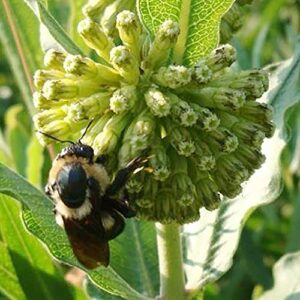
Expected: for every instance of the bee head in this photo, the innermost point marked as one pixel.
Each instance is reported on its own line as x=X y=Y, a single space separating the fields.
x=72 y=185
x=80 y=150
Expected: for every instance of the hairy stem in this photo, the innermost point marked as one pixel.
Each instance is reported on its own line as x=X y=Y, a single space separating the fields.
x=170 y=262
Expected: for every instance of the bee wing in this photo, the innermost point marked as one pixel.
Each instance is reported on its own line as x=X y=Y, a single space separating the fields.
x=88 y=242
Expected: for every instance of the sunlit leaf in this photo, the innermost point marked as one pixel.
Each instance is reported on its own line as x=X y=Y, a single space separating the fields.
x=286 y=279
x=39 y=220
x=19 y=35
x=34 y=268
x=53 y=26
x=17 y=136
x=199 y=22
x=212 y=241
x=35 y=159
x=9 y=283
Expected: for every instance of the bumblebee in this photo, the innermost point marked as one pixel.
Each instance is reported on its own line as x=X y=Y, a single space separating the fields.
x=86 y=202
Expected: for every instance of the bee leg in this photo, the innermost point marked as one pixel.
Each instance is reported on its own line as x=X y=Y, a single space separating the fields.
x=101 y=159
x=123 y=176
x=123 y=207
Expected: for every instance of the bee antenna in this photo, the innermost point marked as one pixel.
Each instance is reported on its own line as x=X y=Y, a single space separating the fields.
x=54 y=138
x=85 y=131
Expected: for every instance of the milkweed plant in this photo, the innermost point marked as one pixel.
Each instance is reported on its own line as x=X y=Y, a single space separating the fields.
x=160 y=79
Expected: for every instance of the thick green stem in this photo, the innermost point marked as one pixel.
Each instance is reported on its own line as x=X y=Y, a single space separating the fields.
x=170 y=262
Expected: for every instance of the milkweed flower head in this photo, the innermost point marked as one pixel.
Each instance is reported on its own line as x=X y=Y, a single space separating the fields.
x=201 y=126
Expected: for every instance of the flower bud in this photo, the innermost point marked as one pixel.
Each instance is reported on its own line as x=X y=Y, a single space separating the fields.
x=106 y=141
x=182 y=112
x=42 y=118
x=207 y=120
x=41 y=103
x=95 y=38
x=222 y=98
x=233 y=17
x=137 y=137
x=203 y=157
x=252 y=83
x=225 y=32
x=202 y=73
x=221 y=58
x=165 y=38
x=125 y=63
x=96 y=127
x=95 y=7
x=159 y=161
x=173 y=76
x=123 y=99
x=182 y=186
x=260 y=114
x=41 y=76
x=130 y=31
x=251 y=158
x=80 y=66
x=181 y=141
x=228 y=176
x=225 y=140
x=60 y=129
x=136 y=183
x=158 y=102
x=68 y=89
x=54 y=60
x=90 y=107
x=207 y=191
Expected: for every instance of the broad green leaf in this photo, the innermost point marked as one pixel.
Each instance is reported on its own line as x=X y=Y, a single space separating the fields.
x=212 y=241
x=19 y=35
x=5 y=154
x=286 y=279
x=36 y=272
x=98 y=294
x=39 y=220
x=75 y=17
x=17 y=136
x=53 y=26
x=35 y=160
x=135 y=253
x=199 y=22
x=9 y=283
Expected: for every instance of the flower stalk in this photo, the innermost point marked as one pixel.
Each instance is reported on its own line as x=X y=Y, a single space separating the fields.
x=170 y=262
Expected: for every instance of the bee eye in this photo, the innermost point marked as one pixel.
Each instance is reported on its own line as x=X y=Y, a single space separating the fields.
x=72 y=185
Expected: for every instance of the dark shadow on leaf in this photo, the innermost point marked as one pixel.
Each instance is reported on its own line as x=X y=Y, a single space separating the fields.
x=37 y=284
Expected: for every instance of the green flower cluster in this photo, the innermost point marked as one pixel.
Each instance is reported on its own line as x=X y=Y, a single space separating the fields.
x=201 y=126
x=232 y=20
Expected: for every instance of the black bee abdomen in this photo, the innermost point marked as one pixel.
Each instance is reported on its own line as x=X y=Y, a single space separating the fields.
x=72 y=185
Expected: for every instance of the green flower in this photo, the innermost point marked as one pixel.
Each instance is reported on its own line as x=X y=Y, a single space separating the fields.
x=201 y=127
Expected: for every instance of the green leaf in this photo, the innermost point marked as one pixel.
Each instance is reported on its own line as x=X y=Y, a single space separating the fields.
x=9 y=283
x=212 y=241
x=37 y=274
x=53 y=26
x=5 y=153
x=17 y=136
x=39 y=220
x=35 y=160
x=135 y=253
x=199 y=22
x=19 y=35
x=286 y=279
x=75 y=17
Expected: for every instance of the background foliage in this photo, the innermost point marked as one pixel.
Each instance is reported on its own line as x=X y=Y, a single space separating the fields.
x=268 y=36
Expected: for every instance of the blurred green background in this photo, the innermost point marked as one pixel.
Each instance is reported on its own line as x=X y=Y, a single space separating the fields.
x=268 y=36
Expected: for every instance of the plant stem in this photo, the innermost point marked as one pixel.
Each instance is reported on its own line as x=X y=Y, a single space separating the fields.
x=170 y=262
